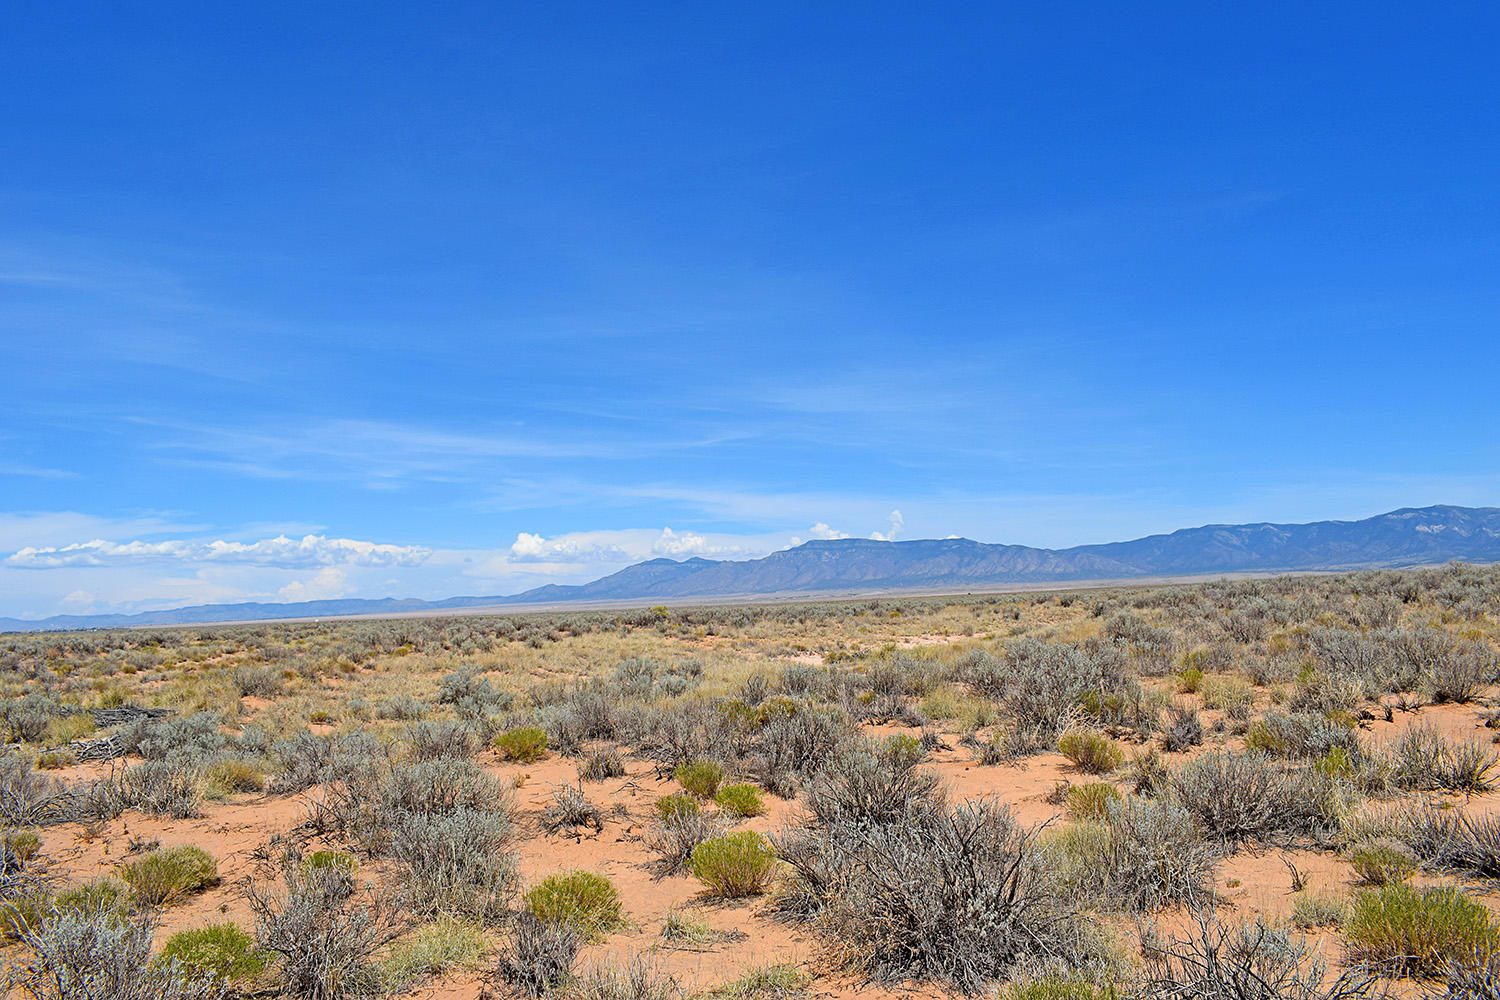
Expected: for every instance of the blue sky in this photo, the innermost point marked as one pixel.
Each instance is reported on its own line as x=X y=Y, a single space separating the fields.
x=302 y=301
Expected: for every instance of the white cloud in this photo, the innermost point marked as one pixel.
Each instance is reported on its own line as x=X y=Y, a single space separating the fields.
x=821 y=530
x=281 y=551
x=897 y=522
x=575 y=548
x=326 y=583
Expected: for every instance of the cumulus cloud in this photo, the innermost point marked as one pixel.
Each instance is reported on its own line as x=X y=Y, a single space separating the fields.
x=897 y=522
x=821 y=530
x=580 y=548
x=326 y=583
x=281 y=552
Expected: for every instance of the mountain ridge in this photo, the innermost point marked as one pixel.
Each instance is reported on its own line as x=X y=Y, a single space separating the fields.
x=1408 y=536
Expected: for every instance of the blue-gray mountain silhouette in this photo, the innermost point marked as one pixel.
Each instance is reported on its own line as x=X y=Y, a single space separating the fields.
x=1406 y=537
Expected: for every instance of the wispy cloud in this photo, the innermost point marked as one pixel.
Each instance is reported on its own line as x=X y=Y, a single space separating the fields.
x=281 y=552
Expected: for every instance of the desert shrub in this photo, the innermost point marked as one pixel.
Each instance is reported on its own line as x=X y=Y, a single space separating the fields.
x=471 y=694
x=197 y=737
x=1382 y=860
x=539 y=955
x=170 y=787
x=1472 y=978
x=1139 y=855
x=1300 y=735
x=1458 y=675
x=433 y=740
x=1091 y=801
x=324 y=929
x=638 y=980
x=1183 y=731
x=864 y=782
x=956 y=895
x=1091 y=751
x=258 y=682
x=222 y=951
x=300 y=762
x=740 y=800
x=525 y=745
x=1189 y=680
x=402 y=708
x=26 y=797
x=168 y=875
x=676 y=834
x=700 y=777
x=571 y=808
x=1424 y=761
x=1419 y=932
x=1244 y=962
x=734 y=865
x=1310 y=911
x=601 y=765
x=587 y=901
x=25 y=719
x=670 y=807
x=1242 y=796
x=444 y=785
x=793 y=742
x=1327 y=692
x=90 y=954
x=456 y=863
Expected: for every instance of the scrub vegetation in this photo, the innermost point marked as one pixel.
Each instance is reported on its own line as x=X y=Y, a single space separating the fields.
x=1278 y=787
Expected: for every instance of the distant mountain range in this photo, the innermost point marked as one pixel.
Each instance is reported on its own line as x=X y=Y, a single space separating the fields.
x=1406 y=537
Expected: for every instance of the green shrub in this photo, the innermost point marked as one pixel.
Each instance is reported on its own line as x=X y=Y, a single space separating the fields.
x=1057 y=988
x=223 y=951
x=676 y=806
x=1188 y=680
x=165 y=876
x=340 y=860
x=735 y=865
x=1091 y=751
x=1383 y=860
x=579 y=899
x=1091 y=801
x=701 y=777
x=1412 y=932
x=741 y=800
x=526 y=745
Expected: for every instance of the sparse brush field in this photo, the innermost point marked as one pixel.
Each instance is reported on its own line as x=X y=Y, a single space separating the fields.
x=1253 y=789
